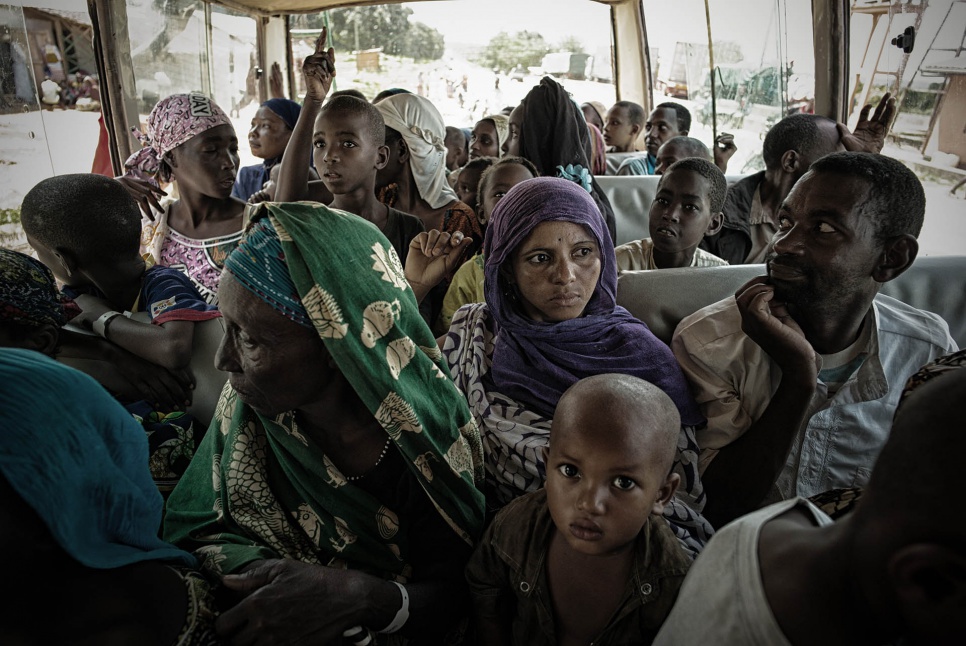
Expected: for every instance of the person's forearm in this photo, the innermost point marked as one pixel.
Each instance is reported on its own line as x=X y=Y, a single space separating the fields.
x=292 y=184
x=167 y=345
x=420 y=291
x=433 y=605
x=741 y=474
x=77 y=345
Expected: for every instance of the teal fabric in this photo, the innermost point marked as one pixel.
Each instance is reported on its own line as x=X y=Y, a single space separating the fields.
x=81 y=462
x=259 y=265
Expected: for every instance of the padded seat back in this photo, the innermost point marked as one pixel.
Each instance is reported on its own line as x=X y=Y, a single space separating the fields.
x=630 y=196
x=614 y=160
x=661 y=298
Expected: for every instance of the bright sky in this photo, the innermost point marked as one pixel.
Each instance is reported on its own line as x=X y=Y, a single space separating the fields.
x=475 y=22
x=743 y=21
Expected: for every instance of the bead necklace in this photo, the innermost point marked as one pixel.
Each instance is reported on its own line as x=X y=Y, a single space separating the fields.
x=385 y=449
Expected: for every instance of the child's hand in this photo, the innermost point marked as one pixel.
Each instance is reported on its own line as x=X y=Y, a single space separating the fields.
x=319 y=70
x=267 y=194
x=432 y=255
x=724 y=148
x=164 y=389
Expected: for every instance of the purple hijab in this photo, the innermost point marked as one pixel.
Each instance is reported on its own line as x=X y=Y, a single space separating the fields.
x=534 y=362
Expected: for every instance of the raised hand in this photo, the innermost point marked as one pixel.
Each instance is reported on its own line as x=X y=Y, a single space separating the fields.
x=768 y=323
x=319 y=70
x=433 y=255
x=724 y=148
x=869 y=134
x=275 y=85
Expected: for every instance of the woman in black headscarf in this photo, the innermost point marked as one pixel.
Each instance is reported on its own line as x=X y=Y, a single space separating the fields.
x=549 y=129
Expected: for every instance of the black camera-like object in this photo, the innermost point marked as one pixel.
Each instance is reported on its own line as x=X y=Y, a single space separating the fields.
x=906 y=40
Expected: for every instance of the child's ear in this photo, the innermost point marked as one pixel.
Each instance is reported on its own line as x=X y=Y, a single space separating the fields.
x=683 y=133
x=480 y=214
x=43 y=339
x=382 y=157
x=665 y=493
x=715 y=223
x=636 y=129
x=67 y=261
x=403 y=151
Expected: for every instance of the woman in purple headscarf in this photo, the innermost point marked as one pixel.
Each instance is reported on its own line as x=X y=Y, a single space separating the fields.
x=550 y=319
x=190 y=141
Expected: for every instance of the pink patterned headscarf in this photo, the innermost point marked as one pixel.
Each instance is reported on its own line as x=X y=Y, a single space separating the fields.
x=173 y=121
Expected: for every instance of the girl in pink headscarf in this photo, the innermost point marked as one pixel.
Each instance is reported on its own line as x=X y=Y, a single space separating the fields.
x=190 y=141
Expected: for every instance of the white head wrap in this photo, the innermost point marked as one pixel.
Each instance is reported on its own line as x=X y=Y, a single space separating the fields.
x=422 y=127
x=502 y=123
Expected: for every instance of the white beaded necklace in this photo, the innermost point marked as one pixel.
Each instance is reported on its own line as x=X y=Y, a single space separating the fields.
x=385 y=449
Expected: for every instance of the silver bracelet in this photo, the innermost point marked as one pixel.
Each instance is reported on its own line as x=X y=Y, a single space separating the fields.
x=100 y=325
x=402 y=615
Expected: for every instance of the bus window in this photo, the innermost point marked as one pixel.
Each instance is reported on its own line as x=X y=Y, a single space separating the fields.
x=184 y=46
x=929 y=133
x=763 y=69
x=470 y=58
x=49 y=104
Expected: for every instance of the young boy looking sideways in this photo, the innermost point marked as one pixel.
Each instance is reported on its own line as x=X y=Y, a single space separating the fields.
x=687 y=207
x=348 y=136
x=588 y=559
x=86 y=229
x=622 y=125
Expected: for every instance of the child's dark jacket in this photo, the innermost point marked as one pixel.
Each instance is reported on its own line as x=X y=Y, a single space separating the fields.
x=508 y=581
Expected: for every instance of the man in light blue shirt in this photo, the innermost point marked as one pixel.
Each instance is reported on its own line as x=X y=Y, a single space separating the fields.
x=799 y=374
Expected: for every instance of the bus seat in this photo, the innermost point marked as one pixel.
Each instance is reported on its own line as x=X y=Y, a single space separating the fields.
x=661 y=298
x=209 y=381
x=630 y=196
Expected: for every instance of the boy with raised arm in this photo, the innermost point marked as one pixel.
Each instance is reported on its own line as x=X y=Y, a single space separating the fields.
x=686 y=208
x=348 y=136
x=588 y=558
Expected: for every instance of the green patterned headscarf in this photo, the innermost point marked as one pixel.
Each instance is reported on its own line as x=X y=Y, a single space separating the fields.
x=258 y=488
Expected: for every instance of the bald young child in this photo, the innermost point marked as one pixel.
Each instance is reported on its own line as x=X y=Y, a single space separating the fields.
x=588 y=558
x=893 y=571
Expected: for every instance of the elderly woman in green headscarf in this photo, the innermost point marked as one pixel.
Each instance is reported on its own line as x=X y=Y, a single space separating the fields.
x=337 y=487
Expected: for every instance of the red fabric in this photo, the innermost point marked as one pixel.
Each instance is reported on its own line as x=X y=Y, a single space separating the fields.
x=102 y=155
